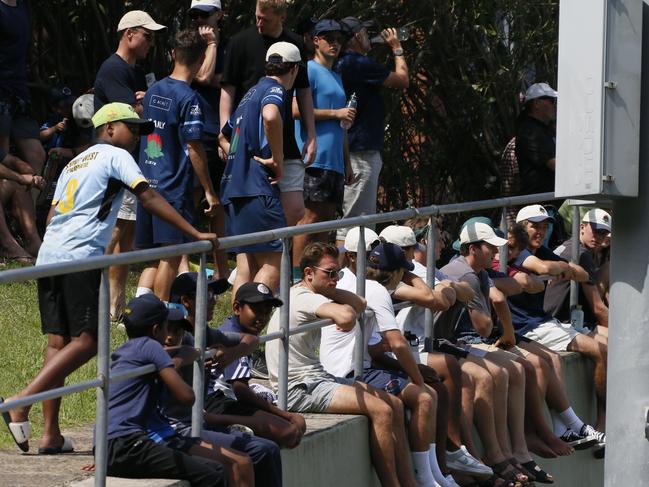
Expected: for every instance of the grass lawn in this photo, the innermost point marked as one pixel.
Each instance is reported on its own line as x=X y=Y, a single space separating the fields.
x=22 y=346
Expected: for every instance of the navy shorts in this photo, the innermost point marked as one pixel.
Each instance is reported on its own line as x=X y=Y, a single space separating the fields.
x=254 y=214
x=151 y=231
x=392 y=381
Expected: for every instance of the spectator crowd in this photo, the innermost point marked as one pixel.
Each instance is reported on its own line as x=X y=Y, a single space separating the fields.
x=261 y=131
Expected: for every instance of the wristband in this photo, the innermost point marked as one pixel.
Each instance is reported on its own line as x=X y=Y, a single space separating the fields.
x=398 y=52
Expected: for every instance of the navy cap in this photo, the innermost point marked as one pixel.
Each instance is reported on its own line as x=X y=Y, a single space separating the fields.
x=61 y=95
x=352 y=25
x=326 y=25
x=185 y=285
x=388 y=257
x=147 y=310
x=256 y=292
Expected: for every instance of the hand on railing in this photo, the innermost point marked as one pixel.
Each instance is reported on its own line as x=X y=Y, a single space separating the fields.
x=209 y=236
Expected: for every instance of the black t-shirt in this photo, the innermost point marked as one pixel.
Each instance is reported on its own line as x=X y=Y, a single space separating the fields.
x=15 y=37
x=245 y=62
x=117 y=80
x=557 y=294
x=535 y=146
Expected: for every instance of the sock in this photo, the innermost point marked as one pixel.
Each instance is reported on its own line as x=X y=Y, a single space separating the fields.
x=434 y=466
x=558 y=427
x=571 y=420
x=141 y=291
x=423 y=475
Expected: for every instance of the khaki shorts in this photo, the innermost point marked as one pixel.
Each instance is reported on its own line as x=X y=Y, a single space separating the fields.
x=480 y=349
x=316 y=395
x=128 y=210
x=293 y=178
x=554 y=335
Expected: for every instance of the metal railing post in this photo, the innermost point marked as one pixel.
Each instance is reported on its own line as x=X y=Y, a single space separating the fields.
x=359 y=338
x=429 y=332
x=103 y=371
x=574 y=256
x=284 y=311
x=200 y=324
x=503 y=250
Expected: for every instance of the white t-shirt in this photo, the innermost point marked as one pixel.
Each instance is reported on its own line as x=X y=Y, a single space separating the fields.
x=303 y=362
x=86 y=202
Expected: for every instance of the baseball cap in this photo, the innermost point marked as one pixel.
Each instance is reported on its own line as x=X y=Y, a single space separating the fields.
x=533 y=213
x=474 y=219
x=83 y=109
x=138 y=18
x=61 y=94
x=121 y=112
x=399 y=235
x=326 y=25
x=148 y=310
x=283 y=52
x=539 y=90
x=256 y=292
x=351 y=240
x=353 y=25
x=598 y=218
x=480 y=232
x=205 y=5
x=185 y=285
x=387 y=256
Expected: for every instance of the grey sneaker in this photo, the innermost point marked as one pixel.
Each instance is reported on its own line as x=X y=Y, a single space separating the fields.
x=462 y=461
x=576 y=440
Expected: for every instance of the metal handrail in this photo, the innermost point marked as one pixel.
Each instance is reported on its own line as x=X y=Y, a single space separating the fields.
x=104 y=378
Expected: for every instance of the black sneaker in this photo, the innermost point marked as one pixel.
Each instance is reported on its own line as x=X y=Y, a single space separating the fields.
x=259 y=368
x=599 y=450
x=590 y=432
x=577 y=441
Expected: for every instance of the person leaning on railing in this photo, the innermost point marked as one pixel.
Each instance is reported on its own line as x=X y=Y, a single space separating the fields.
x=84 y=210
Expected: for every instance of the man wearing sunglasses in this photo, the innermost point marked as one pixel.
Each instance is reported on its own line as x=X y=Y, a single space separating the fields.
x=325 y=179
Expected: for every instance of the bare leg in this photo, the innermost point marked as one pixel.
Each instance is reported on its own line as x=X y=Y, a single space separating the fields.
x=167 y=272
x=448 y=369
x=22 y=209
x=598 y=352
x=246 y=270
x=9 y=247
x=122 y=240
x=238 y=466
x=217 y=225
x=268 y=269
x=293 y=204
x=266 y=425
x=423 y=407
x=147 y=277
x=32 y=151
x=52 y=432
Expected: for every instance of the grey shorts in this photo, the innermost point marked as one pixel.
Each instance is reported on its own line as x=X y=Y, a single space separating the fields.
x=128 y=210
x=293 y=178
x=314 y=396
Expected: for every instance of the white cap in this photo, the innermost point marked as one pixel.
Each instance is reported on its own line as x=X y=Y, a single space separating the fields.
x=83 y=109
x=533 y=213
x=351 y=240
x=138 y=18
x=480 y=232
x=206 y=5
x=399 y=235
x=598 y=218
x=538 y=90
x=289 y=53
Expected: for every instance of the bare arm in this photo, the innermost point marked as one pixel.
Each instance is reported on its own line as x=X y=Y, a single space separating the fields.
x=224 y=143
x=499 y=302
x=529 y=282
x=401 y=350
x=343 y=315
x=178 y=388
x=508 y=285
x=226 y=103
x=305 y=104
x=226 y=355
x=198 y=158
x=600 y=310
x=206 y=73
x=399 y=77
x=463 y=291
x=481 y=322
x=418 y=292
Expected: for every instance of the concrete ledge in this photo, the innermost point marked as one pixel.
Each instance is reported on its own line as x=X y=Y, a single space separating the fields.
x=119 y=482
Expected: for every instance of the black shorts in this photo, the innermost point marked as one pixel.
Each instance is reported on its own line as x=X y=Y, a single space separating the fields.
x=323 y=186
x=138 y=456
x=69 y=303
x=219 y=403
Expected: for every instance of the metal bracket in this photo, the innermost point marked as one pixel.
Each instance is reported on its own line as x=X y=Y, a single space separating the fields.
x=611 y=85
x=607 y=178
x=646 y=425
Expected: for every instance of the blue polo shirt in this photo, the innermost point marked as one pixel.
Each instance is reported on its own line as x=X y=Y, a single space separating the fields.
x=176 y=111
x=243 y=175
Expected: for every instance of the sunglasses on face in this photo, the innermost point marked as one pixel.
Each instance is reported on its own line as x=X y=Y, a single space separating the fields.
x=331 y=273
x=201 y=14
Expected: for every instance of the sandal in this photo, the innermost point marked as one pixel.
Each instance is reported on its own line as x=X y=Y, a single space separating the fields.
x=510 y=473
x=541 y=475
x=518 y=466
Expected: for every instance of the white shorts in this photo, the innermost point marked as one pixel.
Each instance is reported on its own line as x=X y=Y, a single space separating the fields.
x=553 y=334
x=293 y=177
x=128 y=210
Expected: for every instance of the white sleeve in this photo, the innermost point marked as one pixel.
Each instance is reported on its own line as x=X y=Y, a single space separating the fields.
x=124 y=168
x=379 y=301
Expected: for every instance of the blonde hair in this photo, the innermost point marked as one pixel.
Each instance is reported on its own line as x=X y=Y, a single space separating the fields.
x=277 y=6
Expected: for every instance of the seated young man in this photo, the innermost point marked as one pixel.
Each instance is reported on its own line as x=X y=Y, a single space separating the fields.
x=229 y=400
x=312 y=389
x=228 y=347
x=532 y=321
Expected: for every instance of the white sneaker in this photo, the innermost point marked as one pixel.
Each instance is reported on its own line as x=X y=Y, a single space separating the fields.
x=450 y=482
x=462 y=461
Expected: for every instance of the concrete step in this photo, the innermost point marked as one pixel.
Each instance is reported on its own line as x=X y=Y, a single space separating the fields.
x=118 y=482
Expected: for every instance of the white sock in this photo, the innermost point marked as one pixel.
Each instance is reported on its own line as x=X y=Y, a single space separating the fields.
x=558 y=426
x=423 y=475
x=141 y=291
x=434 y=466
x=571 y=420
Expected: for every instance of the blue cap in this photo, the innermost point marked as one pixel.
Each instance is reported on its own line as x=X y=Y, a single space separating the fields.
x=326 y=25
x=185 y=285
x=475 y=219
x=388 y=257
x=147 y=310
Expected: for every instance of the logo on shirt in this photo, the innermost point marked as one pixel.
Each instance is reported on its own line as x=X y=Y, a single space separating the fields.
x=276 y=89
x=153 y=146
x=235 y=139
x=160 y=102
x=195 y=110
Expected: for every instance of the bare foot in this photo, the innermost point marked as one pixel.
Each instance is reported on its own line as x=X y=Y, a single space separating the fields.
x=90 y=467
x=539 y=447
x=17 y=415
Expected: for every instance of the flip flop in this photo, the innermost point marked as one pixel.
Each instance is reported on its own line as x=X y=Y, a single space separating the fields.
x=20 y=432
x=541 y=475
x=66 y=447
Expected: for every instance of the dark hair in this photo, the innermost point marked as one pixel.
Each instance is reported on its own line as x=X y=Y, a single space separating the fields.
x=278 y=69
x=314 y=252
x=519 y=233
x=189 y=46
x=138 y=331
x=380 y=276
x=464 y=248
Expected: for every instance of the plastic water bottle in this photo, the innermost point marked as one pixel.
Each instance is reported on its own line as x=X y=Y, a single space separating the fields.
x=403 y=34
x=577 y=318
x=352 y=103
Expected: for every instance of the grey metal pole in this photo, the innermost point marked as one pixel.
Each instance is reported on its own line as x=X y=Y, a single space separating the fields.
x=430 y=280
x=503 y=250
x=200 y=325
x=359 y=331
x=284 y=294
x=574 y=256
x=103 y=371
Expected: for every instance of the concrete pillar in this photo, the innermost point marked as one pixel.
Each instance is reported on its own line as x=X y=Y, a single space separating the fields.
x=627 y=448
